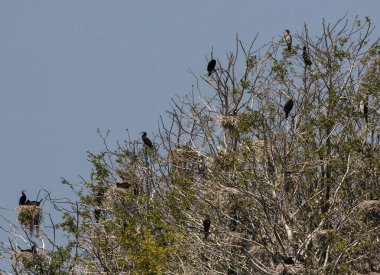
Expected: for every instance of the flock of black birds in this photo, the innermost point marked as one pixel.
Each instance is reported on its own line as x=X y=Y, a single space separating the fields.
x=288 y=39
x=24 y=201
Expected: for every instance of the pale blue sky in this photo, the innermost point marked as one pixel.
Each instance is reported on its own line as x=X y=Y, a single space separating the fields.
x=70 y=67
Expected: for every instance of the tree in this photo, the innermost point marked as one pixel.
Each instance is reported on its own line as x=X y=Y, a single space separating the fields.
x=280 y=196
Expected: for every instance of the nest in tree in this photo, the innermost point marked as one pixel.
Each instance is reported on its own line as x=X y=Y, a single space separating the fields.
x=28 y=259
x=229 y=122
x=29 y=215
x=224 y=195
x=294 y=269
x=119 y=198
x=183 y=154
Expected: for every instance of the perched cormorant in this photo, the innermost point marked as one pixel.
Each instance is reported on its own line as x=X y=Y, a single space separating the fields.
x=288 y=107
x=211 y=66
x=288 y=39
x=206 y=226
x=22 y=200
x=288 y=260
x=306 y=57
x=35 y=203
x=97 y=213
x=30 y=250
x=364 y=109
x=146 y=140
x=123 y=184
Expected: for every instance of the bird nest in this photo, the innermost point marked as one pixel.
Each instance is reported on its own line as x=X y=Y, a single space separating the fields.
x=294 y=269
x=28 y=259
x=29 y=215
x=229 y=122
x=183 y=153
x=119 y=197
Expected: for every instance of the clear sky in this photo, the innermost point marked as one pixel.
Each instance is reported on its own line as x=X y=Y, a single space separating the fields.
x=70 y=67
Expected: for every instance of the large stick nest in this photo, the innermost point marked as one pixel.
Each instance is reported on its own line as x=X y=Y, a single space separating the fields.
x=29 y=215
x=229 y=122
x=184 y=153
x=28 y=259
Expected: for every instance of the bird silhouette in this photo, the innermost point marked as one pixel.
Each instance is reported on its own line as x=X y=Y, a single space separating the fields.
x=211 y=66
x=206 y=226
x=306 y=57
x=30 y=250
x=364 y=109
x=22 y=200
x=146 y=140
x=288 y=107
x=288 y=39
x=35 y=203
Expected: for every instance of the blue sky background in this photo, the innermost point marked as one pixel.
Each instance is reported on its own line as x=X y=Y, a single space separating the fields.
x=70 y=67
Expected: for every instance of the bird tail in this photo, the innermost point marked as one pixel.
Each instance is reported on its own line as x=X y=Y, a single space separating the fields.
x=209 y=73
x=289 y=47
x=286 y=115
x=206 y=234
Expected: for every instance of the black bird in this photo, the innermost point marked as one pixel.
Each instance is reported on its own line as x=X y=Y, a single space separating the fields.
x=211 y=66
x=288 y=107
x=97 y=213
x=123 y=184
x=306 y=57
x=364 y=109
x=288 y=260
x=35 y=203
x=30 y=250
x=288 y=39
x=206 y=226
x=146 y=140
x=22 y=198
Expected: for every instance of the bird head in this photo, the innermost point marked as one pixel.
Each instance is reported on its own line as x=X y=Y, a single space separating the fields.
x=143 y=133
x=304 y=48
x=287 y=31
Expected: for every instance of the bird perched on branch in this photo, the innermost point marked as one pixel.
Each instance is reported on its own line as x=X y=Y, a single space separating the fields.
x=22 y=200
x=211 y=66
x=364 y=109
x=146 y=140
x=306 y=56
x=288 y=39
x=206 y=226
x=288 y=107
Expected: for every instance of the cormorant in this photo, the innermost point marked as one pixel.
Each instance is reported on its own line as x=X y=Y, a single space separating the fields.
x=30 y=250
x=97 y=213
x=364 y=109
x=35 y=203
x=146 y=140
x=288 y=260
x=288 y=39
x=206 y=226
x=123 y=184
x=211 y=66
x=288 y=107
x=306 y=57
x=22 y=198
